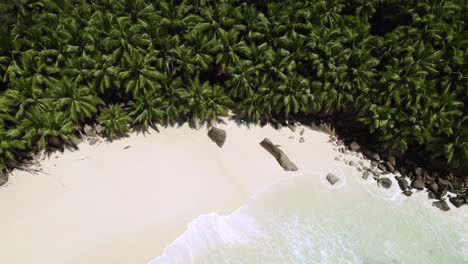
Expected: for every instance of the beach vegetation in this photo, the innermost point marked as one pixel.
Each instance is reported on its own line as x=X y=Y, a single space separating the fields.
x=399 y=68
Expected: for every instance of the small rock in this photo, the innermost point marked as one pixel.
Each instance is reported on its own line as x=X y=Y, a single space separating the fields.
x=218 y=136
x=291 y=137
x=332 y=179
x=88 y=130
x=441 y=193
x=354 y=146
x=389 y=167
x=376 y=173
x=434 y=187
x=301 y=140
x=339 y=142
x=374 y=163
x=346 y=162
x=385 y=183
x=367 y=169
x=382 y=167
x=337 y=159
x=407 y=193
x=127 y=147
x=392 y=160
x=93 y=140
x=361 y=163
x=302 y=132
x=403 y=183
x=3 y=178
x=365 y=175
x=376 y=157
x=431 y=195
x=442 y=205
x=456 y=201
x=359 y=169
x=418 y=183
x=292 y=127
x=342 y=150
x=351 y=163
x=99 y=129
x=418 y=171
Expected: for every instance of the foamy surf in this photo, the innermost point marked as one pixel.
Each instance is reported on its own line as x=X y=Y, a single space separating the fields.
x=291 y=222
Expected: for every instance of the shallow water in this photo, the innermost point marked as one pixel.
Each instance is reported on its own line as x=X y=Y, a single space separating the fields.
x=295 y=221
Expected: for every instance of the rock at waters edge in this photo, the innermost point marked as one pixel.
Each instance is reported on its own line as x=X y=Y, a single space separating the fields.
x=354 y=146
x=403 y=183
x=332 y=179
x=218 y=136
x=418 y=183
x=3 y=178
x=365 y=175
x=442 y=205
x=279 y=155
x=456 y=201
x=407 y=193
x=385 y=183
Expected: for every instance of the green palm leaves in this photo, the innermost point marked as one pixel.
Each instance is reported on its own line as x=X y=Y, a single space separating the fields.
x=143 y=62
x=115 y=120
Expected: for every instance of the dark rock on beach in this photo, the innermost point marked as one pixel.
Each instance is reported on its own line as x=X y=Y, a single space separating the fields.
x=332 y=179
x=301 y=140
x=354 y=146
x=382 y=167
x=218 y=136
x=365 y=175
x=408 y=193
x=385 y=183
x=418 y=183
x=279 y=155
x=457 y=201
x=403 y=183
x=442 y=205
x=389 y=167
x=3 y=178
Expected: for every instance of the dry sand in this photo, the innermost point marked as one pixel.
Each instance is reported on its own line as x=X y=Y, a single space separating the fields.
x=110 y=204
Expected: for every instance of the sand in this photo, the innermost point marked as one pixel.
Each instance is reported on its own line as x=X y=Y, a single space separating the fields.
x=123 y=202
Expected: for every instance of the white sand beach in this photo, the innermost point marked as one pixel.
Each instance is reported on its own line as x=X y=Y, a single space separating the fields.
x=123 y=202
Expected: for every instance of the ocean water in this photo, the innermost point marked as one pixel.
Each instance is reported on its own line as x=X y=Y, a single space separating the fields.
x=299 y=220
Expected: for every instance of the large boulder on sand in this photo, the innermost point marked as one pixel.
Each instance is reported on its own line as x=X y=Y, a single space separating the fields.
x=332 y=179
x=279 y=155
x=217 y=135
x=3 y=178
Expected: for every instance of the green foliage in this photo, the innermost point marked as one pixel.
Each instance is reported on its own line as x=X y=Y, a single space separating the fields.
x=115 y=120
x=399 y=67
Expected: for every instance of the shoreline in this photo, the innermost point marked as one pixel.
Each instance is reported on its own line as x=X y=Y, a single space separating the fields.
x=48 y=209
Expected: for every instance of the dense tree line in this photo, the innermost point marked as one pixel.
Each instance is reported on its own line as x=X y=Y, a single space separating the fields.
x=400 y=67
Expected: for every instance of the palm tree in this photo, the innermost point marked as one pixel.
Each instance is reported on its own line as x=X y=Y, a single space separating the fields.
x=47 y=128
x=115 y=120
x=140 y=77
x=76 y=100
x=146 y=109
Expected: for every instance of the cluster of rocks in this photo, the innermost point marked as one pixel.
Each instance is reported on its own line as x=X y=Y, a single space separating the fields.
x=91 y=133
x=417 y=178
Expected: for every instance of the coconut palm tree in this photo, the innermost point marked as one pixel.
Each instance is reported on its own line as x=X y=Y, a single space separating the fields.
x=115 y=120
x=77 y=101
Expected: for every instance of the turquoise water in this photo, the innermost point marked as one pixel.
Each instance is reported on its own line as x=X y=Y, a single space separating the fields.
x=296 y=221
